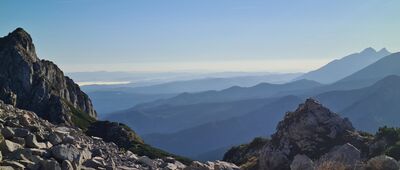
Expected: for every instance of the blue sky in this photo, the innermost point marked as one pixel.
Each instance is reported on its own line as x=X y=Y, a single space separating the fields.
x=214 y=35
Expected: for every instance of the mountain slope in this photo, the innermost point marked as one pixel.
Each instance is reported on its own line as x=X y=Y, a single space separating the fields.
x=345 y=66
x=39 y=85
x=225 y=133
x=386 y=66
x=169 y=119
x=370 y=107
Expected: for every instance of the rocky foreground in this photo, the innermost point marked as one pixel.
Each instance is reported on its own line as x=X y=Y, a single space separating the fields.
x=29 y=142
x=314 y=138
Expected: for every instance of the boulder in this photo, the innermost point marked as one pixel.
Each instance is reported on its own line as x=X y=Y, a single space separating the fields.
x=147 y=161
x=50 y=164
x=66 y=165
x=31 y=142
x=14 y=164
x=20 y=132
x=382 y=162
x=95 y=162
x=346 y=154
x=65 y=152
x=7 y=132
x=7 y=146
x=54 y=139
x=302 y=162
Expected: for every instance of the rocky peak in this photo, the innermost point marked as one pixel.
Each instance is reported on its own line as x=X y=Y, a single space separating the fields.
x=311 y=119
x=20 y=41
x=311 y=130
x=38 y=85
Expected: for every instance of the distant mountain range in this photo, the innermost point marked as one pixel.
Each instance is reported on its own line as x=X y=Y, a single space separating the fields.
x=262 y=90
x=214 y=118
x=191 y=109
x=225 y=133
x=112 y=98
x=370 y=107
x=338 y=69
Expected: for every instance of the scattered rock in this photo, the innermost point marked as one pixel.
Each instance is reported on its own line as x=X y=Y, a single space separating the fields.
x=8 y=146
x=50 y=164
x=147 y=161
x=31 y=142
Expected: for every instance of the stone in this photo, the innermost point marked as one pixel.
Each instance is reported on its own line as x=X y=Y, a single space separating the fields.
x=95 y=162
x=347 y=155
x=18 y=140
x=66 y=165
x=170 y=166
x=50 y=164
x=302 y=162
x=68 y=139
x=54 y=139
x=221 y=165
x=147 y=161
x=8 y=146
x=196 y=165
x=6 y=168
x=20 y=132
x=382 y=162
x=7 y=133
x=65 y=152
x=13 y=164
x=31 y=142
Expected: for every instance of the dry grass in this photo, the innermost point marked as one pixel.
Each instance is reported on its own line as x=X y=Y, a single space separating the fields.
x=329 y=165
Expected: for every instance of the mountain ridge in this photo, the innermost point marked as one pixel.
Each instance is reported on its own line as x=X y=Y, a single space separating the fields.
x=340 y=68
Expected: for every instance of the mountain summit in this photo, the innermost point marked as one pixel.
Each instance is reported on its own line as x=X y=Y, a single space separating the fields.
x=39 y=85
x=338 y=69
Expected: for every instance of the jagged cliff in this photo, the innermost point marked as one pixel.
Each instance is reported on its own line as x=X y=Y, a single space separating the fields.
x=39 y=85
x=47 y=122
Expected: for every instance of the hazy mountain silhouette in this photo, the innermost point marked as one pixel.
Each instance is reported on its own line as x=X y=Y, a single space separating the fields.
x=368 y=108
x=107 y=102
x=221 y=134
x=164 y=83
x=169 y=119
x=338 y=69
x=262 y=90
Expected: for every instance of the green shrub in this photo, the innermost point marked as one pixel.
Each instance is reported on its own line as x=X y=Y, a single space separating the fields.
x=392 y=135
x=394 y=151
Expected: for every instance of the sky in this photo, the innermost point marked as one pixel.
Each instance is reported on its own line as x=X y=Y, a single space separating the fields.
x=202 y=35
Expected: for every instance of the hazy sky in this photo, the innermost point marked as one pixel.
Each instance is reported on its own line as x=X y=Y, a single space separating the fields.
x=214 y=35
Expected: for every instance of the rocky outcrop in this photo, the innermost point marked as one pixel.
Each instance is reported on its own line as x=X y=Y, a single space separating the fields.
x=115 y=132
x=37 y=144
x=311 y=130
x=314 y=138
x=39 y=85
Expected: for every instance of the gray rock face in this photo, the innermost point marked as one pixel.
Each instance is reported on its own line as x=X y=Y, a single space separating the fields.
x=311 y=130
x=38 y=85
x=302 y=162
x=347 y=155
x=382 y=162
